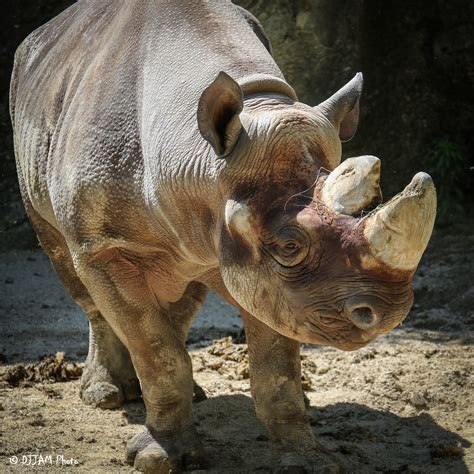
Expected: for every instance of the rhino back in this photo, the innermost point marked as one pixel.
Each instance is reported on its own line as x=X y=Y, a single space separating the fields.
x=104 y=102
x=61 y=127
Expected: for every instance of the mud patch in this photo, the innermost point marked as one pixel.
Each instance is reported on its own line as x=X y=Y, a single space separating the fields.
x=49 y=369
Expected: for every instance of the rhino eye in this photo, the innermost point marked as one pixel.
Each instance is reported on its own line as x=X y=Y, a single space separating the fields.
x=289 y=247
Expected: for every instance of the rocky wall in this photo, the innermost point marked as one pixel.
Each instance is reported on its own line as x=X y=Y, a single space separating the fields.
x=417 y=60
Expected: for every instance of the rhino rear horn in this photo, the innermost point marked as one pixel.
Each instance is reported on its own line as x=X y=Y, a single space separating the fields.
x=353 y=186
x=218 y=114
x=342 y=108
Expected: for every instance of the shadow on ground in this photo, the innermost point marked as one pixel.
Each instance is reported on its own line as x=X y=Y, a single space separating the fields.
x=361 y=438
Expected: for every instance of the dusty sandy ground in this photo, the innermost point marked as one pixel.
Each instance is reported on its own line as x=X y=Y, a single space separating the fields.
x=403 y=404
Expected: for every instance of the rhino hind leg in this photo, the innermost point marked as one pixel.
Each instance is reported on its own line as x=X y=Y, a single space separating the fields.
x=109 y=378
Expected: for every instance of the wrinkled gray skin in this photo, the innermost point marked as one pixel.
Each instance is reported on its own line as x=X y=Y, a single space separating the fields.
x=150 y=176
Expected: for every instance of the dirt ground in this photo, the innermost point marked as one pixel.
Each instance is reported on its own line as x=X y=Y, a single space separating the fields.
x=402 y=404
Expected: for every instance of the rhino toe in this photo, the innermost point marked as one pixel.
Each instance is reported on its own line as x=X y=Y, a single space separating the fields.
x=148 y=455
x=153 y=459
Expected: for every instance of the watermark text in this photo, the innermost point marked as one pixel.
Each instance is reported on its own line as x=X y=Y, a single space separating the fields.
x=42 y=460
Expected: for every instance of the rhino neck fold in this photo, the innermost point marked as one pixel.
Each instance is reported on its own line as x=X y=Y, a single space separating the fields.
x=264 y=84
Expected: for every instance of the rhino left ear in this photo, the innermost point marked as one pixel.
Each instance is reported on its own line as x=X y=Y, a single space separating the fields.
x=342 y=108
x=218 y=114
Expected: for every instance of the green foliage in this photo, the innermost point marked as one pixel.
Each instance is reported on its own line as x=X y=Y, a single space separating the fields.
x=447 y=165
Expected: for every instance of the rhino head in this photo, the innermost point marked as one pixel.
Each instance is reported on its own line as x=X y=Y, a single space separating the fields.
x=306 y=245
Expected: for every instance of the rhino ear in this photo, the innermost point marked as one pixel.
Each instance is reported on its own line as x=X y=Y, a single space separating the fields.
x=218 y=114
x=342 y=108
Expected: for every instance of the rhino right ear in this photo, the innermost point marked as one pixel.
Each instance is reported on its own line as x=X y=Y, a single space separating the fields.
x=218 y=114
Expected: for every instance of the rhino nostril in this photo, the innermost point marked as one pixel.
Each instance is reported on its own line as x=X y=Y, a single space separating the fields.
x=364 y=317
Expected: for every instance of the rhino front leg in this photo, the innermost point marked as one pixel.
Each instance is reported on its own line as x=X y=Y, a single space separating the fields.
x=154 y=336
x=275 y=380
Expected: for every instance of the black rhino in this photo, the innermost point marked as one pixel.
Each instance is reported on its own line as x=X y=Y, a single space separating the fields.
x=160 y=152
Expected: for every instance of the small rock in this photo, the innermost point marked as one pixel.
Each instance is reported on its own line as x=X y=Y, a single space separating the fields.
x=345 y=449
x=430 y=352
x=198 y=366
x=418 y=400
x=51 y=393
x=323 y=369
x=409 y=410
x=9 y=281
x=37 y=422
x=305 y=382
x=243 y=372
x=398 y=387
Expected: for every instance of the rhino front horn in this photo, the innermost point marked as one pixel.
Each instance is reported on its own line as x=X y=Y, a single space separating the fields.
x=398 y=232
x=353 y=186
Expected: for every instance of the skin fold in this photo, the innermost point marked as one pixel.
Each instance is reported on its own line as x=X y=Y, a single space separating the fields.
x=160 y=153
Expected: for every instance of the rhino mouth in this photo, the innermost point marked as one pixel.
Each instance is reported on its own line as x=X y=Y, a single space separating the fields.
x=343 y=334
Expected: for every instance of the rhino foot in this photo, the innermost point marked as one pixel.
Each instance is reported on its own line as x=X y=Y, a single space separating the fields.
x=103 y=392
x=100 y=390
x=149 y=456
x=103 y=395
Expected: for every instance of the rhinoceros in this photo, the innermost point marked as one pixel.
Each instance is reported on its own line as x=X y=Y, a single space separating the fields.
x=160 y=152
